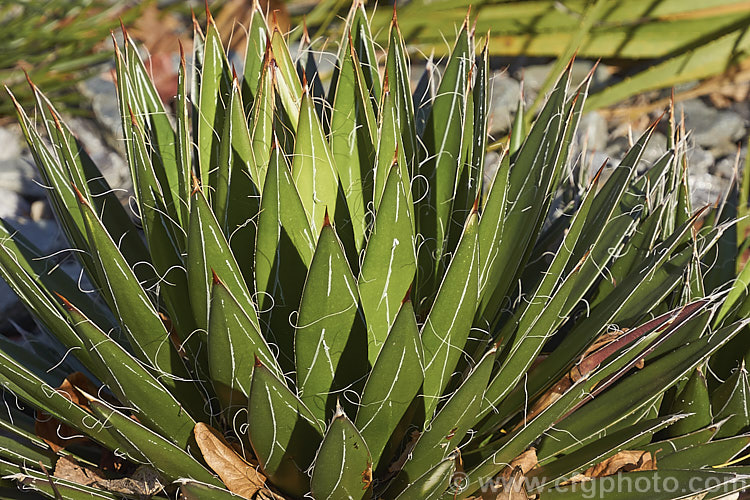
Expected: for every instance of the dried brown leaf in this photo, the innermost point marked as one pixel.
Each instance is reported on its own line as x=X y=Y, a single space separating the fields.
x=55 y=433
x=145 y=481
x=624 y=461
x=399 y=463
x=238 y=476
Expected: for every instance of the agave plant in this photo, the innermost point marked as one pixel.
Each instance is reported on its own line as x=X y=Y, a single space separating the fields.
x=318 y=295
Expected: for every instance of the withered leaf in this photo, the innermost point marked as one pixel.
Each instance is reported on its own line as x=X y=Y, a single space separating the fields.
x=513 y=487
x=624 y=461
x=238 y=476
x=56 y=434
x=145 y=481
x=525 y=461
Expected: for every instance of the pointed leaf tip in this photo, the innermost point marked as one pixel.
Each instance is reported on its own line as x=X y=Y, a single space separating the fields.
x=215 y=277
x=196 y=184
x=305 y=34
x=598 y=174
x=28 y=79
x=66 y=302
x=326 y=220
x=209 y=17
x=407 y=296
x=133 y=121
x=258 y=362
x=182 y=54
x=80 y=196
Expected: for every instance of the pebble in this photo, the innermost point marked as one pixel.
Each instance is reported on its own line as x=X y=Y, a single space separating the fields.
x=20 y=176
x=12 y=205
x=103 y=95
x=39 y=210
x=699 y=161
x=712 y=129
x=504 y=94
x=111 y=163
x=534 y=76
x=10 y=140
x=592 y=131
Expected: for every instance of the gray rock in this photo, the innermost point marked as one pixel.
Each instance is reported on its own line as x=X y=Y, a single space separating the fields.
x=12 y=205
x=655 y=149
x=534 y=76
x=724 y=168
x=10 y=143
x=45 y=234
x=617 y=146
x=10 y=306
x=111 y=164
x=491 y=164
x=592 y=131
x=19 y=175
x=706 y=189
x=699 y=161
x=39 y=210
x=103 y=95
x=728 y=129
x=504 y=95
x=712 y=129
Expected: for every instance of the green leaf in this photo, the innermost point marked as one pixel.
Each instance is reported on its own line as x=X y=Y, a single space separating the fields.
x=529 y=179
x=162 y=140
x=730 y=400
x=283 y=252
x=397 y=74
x=711 y=454
x=343 y=466
x=442 y=140
x=447 y=326
x=634 y=392
x=184 y=146
x=394 y=381
x=603 y=448
x=283 y=432
x=449 y=427
x=77 y=166
x=325 y=333
x=261 y=125
x=233 y=343
x=352 y=139
x=257 y=38
x=31 y=278
x=662 y=448
x=209 y=253
x=166 y=239
x=287 y=82
x=169 y=459
x=37 y=392
x=693 y=398
x=313 y=168
x=237 y=196
x=133 y=384
x=364 y=48
x=138 y=317
x=540 y=315
x=433 y=483
x=215 y=84
x=630 y=394
x=389 y=263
